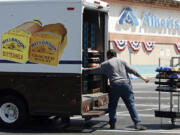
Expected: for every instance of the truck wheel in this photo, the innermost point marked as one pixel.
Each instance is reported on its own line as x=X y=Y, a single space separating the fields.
x=13 y=112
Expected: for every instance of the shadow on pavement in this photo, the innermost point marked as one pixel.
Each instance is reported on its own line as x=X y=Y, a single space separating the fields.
x=55 y=126
x=160 y=126
x=77 y=126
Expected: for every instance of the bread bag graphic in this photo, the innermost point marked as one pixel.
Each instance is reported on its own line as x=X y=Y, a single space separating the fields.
x=15 y=43
x=47 y=45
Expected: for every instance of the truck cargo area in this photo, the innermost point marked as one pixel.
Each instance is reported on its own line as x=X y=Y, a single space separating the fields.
x=94 y=87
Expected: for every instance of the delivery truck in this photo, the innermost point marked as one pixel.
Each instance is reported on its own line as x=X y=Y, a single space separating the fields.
x=45 y=44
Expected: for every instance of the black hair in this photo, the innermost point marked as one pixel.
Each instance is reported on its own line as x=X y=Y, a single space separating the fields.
x=111 y=53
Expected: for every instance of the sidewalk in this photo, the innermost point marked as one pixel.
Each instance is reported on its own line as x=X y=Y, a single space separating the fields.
x=146 y=75
x=148 y=71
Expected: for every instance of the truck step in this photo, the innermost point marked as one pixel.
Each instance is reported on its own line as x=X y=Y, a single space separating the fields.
x=98 y=111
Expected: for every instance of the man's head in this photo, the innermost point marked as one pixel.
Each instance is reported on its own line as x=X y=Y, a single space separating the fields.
x=111 y=53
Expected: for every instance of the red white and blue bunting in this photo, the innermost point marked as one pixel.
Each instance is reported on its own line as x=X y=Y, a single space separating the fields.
x=149 y=46
x=135 y=45
x=120 y=44
x=177 y=45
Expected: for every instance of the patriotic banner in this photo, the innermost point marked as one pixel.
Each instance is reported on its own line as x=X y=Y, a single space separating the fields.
x=177 y=45
x=149 y=46
x=120 y=44
x=135 y=45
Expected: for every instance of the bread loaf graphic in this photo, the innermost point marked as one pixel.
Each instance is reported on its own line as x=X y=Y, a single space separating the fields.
x=31 y=26
x=47 y=45
x=15 y=43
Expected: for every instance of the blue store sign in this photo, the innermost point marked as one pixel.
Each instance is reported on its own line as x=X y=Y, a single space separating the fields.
x=128 y=17
x=148 y=20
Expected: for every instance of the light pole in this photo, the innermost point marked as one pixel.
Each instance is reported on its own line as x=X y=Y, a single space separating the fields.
x=130 y=52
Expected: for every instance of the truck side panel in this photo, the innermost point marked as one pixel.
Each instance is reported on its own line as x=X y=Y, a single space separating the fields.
x=67 y=13
x=46 y=94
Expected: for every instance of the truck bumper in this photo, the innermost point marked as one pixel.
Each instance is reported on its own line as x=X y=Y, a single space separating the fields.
x=94 y=105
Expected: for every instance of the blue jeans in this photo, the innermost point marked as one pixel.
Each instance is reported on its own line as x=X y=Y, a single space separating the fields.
x=123 y=90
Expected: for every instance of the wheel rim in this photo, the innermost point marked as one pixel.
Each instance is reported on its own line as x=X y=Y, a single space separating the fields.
x=9 y=112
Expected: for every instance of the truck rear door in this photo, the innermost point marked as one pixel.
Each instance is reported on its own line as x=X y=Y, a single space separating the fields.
x=95 y=43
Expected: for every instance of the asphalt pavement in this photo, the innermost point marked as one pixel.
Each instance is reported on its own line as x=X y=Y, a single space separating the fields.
x=146 y=99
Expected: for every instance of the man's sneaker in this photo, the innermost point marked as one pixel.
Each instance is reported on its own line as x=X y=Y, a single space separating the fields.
x=140 y=127
x=112 y=125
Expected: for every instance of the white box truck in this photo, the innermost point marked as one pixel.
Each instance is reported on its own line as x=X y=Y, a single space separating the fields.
x=45 y=44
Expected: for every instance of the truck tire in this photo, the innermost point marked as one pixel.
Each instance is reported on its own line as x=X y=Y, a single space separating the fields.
x=13 y=112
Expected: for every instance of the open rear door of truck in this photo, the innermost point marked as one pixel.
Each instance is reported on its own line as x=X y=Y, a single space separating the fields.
x=95 y=43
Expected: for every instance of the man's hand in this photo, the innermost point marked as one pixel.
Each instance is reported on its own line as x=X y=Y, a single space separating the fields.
x=145 y=79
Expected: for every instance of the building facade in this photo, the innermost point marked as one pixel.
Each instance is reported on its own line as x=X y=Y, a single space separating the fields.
x=144 y=34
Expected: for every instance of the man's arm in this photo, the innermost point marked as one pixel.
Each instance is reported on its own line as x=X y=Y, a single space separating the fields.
x=96 y=70
x=133 y=71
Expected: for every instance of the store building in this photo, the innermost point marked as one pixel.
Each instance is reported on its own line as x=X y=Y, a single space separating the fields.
x=142 y=33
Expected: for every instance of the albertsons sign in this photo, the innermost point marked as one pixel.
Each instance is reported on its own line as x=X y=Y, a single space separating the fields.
x=148 y=20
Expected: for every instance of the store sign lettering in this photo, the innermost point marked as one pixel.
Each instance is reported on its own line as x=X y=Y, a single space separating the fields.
x=151 y=20
x=154 y=21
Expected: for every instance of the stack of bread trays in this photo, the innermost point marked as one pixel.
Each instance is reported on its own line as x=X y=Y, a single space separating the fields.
x=93 y=62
